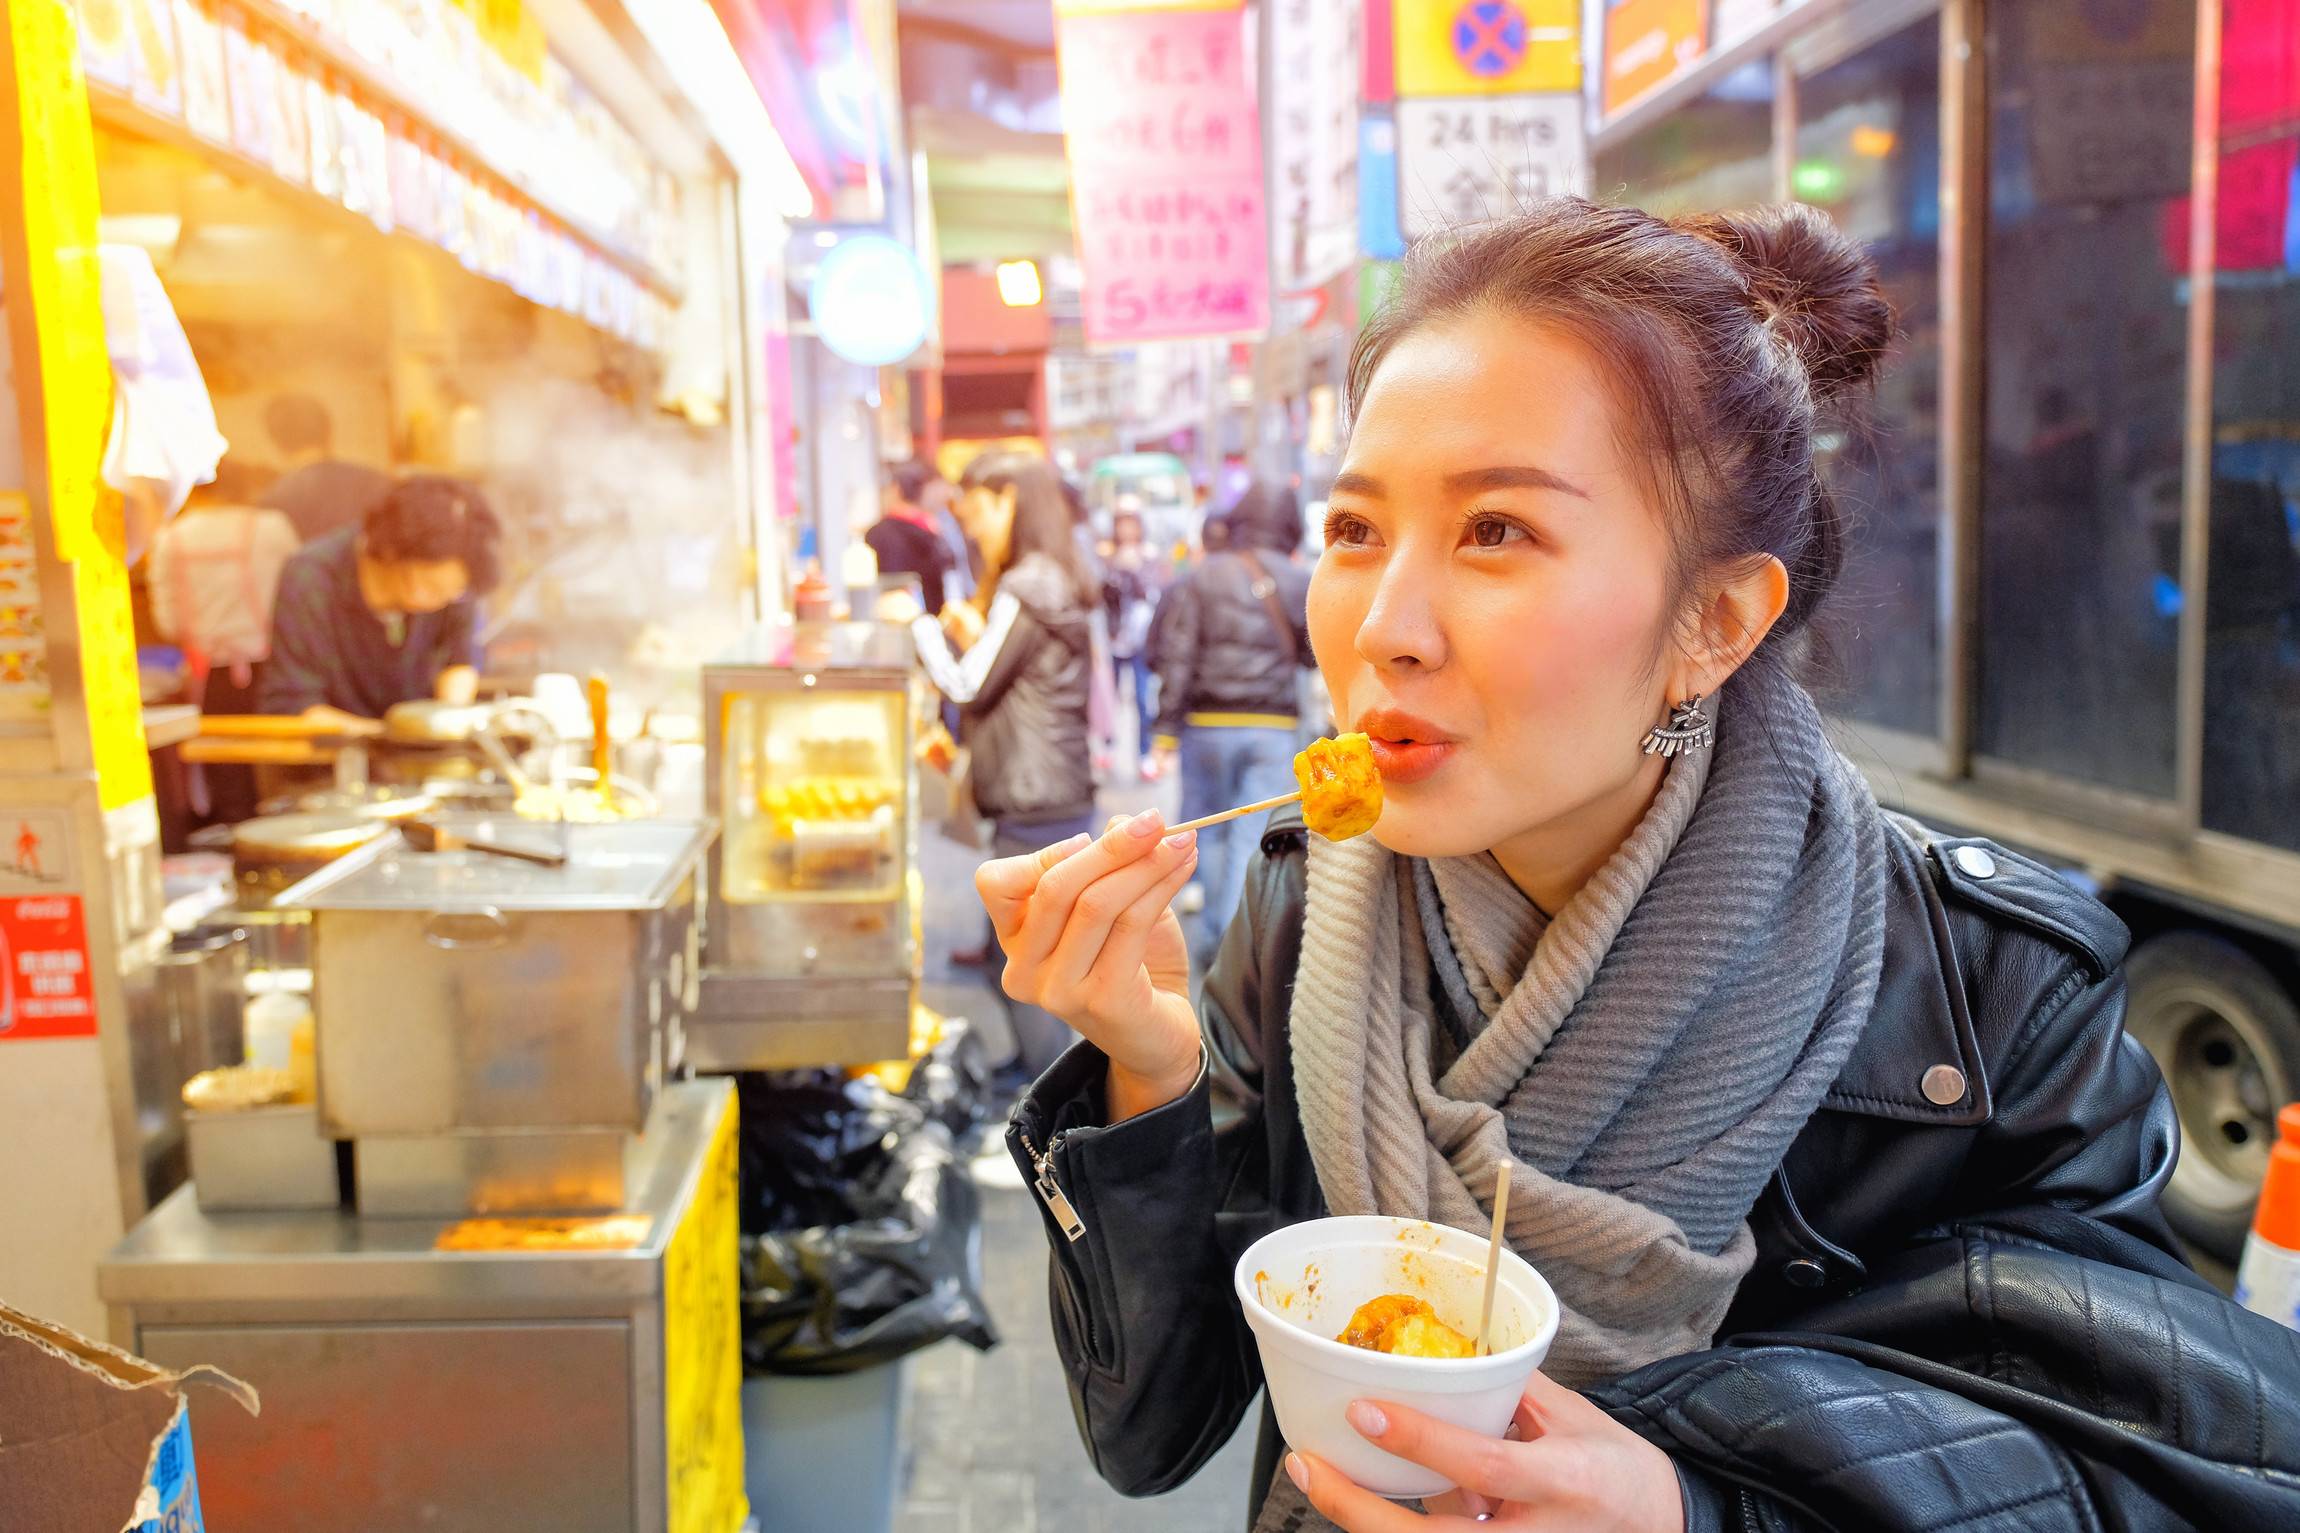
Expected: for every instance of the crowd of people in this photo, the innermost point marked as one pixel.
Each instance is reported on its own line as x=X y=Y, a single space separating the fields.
x=1077 y=635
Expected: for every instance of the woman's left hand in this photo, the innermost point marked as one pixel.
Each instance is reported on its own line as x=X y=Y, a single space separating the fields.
x=1570 y=1467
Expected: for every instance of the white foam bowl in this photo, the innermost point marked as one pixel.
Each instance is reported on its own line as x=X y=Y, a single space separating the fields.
x=1299 y=1286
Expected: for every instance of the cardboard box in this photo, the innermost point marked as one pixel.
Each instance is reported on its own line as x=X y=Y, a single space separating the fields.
x=93 y=1440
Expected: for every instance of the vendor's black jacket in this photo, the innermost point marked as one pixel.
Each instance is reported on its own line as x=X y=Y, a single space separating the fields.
x=1218 y=647
x=1963 y=1315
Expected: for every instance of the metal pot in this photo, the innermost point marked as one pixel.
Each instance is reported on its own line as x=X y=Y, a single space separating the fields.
x=458 y=992
x=274 y=851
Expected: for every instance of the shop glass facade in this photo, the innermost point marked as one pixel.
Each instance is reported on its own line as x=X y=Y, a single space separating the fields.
x=1868 y=153
x=2085 y=320
x=2251 y=760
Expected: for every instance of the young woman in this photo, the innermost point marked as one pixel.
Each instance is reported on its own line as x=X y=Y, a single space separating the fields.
x=1824 y=1129
x=1019 y=674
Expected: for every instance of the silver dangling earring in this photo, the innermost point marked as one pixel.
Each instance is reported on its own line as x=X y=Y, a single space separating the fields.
x=1688 y=730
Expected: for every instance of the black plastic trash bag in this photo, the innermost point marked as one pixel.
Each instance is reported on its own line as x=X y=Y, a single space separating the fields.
x=954 y=1081
x=862 y=1231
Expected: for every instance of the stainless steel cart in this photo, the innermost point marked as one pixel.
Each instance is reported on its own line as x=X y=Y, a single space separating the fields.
x=408 y=1387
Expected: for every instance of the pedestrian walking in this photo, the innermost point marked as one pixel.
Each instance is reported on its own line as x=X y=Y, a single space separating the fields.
x=1233 y=640
x=1018 y=660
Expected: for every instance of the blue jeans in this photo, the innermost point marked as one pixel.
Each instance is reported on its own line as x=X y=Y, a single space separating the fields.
x=1223 y=767
x=1145 y=699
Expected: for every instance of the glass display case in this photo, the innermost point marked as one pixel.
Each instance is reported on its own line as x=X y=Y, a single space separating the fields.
x=812 y=948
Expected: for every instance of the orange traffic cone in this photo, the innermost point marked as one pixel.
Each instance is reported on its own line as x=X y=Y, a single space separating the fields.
x=2268 y=1283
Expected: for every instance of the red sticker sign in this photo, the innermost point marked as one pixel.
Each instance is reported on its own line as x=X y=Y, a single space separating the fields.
x=44 y=952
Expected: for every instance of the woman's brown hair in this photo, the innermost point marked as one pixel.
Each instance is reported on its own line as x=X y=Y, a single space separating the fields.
x=1728 y=338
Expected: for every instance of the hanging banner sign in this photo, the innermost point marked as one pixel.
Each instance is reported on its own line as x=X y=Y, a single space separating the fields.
x=1466 y=159
x=1315 y=59
x=1648 y=41
x=1165 y=147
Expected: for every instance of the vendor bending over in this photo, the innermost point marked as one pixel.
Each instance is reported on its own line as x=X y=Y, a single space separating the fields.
x=385 y=613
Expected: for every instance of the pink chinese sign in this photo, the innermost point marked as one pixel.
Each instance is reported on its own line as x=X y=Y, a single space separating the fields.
x=1166 y=174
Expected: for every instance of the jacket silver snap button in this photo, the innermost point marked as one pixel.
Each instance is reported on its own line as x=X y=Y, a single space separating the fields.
x=1975 y=862
x=1944 y=1085
x=1805 y=1272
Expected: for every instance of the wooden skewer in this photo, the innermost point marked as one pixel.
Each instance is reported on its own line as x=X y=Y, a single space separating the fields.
x=1231 y=814
x=1493 y=1255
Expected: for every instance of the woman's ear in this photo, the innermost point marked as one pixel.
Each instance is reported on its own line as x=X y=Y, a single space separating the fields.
x=1731 y=620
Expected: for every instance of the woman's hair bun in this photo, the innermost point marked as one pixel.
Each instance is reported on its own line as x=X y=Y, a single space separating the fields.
x=1814 y=284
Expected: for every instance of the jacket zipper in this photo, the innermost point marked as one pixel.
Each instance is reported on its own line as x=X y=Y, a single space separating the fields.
x=1051 y=1190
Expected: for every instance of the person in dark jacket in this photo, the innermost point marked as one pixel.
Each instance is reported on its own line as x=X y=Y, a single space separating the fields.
x=1824 y=1129
x=1232 y=640
x=1016 y=660
x=388 y=612
x=905 y=538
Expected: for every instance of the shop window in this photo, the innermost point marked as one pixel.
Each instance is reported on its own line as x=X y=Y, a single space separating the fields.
x=1868 y=154
x=2252 y=587
x=2086 y=319
x=1712 y=153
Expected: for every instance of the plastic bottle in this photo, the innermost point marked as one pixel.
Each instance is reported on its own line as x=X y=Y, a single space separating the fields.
x=2268 y=1282
x=269 y=1026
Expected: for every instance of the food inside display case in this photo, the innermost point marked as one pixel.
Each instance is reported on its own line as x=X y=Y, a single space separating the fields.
x=814 y=796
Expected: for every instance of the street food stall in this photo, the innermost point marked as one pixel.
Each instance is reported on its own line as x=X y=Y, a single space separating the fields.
x=480 y=1254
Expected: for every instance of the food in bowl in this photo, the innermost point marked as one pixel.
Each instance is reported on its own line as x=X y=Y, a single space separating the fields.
x=1298 y=1287
x=1341 y=786
x=1404 y=1326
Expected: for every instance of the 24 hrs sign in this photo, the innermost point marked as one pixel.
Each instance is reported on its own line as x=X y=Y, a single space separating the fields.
x=1464 y=159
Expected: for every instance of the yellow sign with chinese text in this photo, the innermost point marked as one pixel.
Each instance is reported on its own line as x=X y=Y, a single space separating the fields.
x=703 y=1351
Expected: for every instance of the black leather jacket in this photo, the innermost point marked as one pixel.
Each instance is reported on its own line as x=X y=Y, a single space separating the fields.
x=1218 y=649
x=1022 y=699
x=1964 y=1313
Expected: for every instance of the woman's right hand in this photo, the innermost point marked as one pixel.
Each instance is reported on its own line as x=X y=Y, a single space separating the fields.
x=1090 y=936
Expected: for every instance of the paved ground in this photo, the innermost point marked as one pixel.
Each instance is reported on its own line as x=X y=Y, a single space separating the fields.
x=990 y=1445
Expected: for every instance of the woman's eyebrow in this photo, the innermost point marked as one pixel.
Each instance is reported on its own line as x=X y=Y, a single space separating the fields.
x=1512 y=477
x=1350 y=482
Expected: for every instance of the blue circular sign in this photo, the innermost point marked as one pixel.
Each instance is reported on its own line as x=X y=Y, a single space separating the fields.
x=870 y=300
x=1489 y=37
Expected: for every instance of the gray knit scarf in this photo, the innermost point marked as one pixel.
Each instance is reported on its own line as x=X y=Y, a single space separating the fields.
x=1645 y=1060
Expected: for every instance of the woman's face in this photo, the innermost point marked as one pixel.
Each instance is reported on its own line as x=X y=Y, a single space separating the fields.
x=986 y=516
x=1494 y=602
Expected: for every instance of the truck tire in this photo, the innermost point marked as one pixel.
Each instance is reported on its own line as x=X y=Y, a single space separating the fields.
x=2226 y=1035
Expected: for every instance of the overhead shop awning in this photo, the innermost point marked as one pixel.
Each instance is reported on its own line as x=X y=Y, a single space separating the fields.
x=997 y=193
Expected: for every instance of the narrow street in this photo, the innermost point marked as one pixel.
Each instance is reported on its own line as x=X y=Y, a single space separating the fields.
x=990 y=1445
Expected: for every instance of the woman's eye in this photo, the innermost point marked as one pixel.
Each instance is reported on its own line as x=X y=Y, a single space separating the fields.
x=1347 y=532
x=1495 y=532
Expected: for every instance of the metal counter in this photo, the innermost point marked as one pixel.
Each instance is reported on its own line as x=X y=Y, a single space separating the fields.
x=408 y=1387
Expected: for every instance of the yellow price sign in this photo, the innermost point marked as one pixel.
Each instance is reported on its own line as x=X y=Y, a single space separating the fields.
x=703 y=1351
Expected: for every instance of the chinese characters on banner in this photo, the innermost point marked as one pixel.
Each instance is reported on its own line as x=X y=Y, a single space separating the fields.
x=48 y=991
x=1488 y=115
x=1165 y=148
x=1315 y=59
